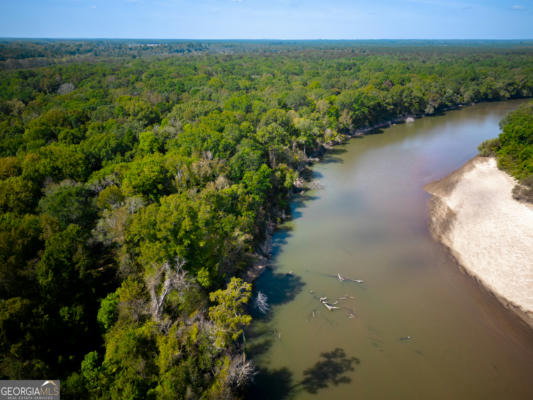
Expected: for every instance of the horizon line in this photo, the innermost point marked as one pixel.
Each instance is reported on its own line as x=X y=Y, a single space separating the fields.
x=257 y=39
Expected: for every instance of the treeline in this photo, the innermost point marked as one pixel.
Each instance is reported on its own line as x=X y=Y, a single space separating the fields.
x=25 y=53
x=134 y=193
x=29 y=53
x=513 y=149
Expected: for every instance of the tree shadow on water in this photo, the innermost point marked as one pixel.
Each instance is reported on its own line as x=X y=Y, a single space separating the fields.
x=259 y=339
x=331 y=369
x=299 y=202
x=331 y=159
x=375 y=131
x=258 y=347
x=279 y=240
x=332 y=155
x=271 y=385
x=279 y=288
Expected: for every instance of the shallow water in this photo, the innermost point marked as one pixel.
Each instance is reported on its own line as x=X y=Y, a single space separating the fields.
x=418 y=327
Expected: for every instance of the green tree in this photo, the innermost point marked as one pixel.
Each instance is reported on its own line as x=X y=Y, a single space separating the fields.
x=228 y=315
x=70 y=203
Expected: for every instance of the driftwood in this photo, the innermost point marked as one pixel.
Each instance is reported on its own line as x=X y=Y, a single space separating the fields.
x=261 y=303
x=333 y=306
x=342 y=279
x=330 y=307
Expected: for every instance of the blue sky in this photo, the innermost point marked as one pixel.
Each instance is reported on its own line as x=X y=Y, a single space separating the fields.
x=268 y=19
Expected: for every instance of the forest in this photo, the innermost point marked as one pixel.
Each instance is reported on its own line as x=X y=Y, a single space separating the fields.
x=138 y=187
x=513 y=149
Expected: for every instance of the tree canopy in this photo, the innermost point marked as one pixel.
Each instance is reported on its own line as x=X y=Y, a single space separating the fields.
x=137 y=183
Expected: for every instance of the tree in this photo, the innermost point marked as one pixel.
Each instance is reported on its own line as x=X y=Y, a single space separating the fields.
x=70 y=203
x=108 y=312
x=147 y=177
x=228 y=315
x=126 y=160
x=16 y=194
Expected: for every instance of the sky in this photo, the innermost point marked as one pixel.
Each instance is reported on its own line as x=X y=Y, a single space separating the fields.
x=268 y=19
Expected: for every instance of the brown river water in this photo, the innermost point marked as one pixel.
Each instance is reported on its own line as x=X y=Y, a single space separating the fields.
x=418 y=327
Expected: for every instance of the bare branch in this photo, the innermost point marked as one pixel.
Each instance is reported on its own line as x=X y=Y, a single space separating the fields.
x=261 y=302
x=240 y=371
x=173 y=278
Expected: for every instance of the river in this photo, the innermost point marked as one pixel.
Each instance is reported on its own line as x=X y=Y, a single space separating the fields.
x=418 y=327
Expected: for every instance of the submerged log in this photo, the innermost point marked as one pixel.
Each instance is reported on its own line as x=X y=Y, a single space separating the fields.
x=342 y=279
x=349 y=313
x=329 y=307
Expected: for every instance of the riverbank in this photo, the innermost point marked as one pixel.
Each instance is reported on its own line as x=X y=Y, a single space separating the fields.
x=474 y=214
x=261 y=258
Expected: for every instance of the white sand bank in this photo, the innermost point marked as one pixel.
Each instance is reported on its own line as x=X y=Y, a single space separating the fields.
x=490 y=233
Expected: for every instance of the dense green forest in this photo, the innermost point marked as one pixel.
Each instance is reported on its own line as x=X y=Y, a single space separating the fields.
x=26 y=53
x=513 y=149
x=136 y=191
